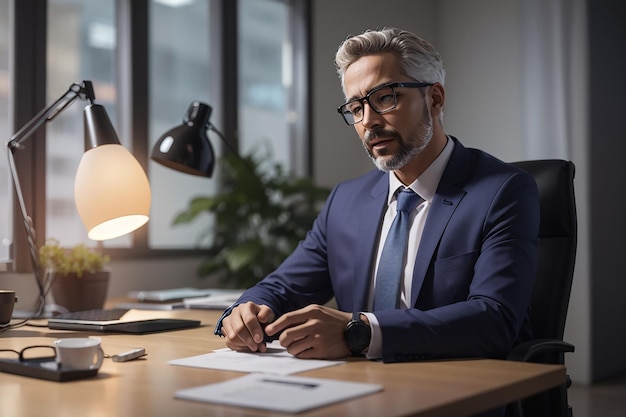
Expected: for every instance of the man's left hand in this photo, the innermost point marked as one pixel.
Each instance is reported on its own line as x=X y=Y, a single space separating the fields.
x=312 y=332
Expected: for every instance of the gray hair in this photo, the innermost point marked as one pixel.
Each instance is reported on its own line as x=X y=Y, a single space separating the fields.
x=418 y=58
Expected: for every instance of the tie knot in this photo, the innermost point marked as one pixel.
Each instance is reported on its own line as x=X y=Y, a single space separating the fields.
x=408 y=200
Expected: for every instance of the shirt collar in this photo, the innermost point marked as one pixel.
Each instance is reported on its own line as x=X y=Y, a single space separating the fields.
x=426 y=184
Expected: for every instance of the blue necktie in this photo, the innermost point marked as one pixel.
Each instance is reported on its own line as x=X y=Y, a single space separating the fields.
x=391 y=265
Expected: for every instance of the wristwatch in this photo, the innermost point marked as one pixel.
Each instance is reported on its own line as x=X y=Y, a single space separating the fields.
x=357 y=334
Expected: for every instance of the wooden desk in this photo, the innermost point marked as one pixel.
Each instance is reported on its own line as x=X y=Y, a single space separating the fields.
x=146 y=387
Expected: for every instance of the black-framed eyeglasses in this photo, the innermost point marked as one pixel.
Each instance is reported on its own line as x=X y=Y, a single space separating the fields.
x=381 y=99
x=37 y=352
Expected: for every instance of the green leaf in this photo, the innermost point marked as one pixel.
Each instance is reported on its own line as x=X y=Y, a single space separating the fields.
x=261 y=212
x=244 y=255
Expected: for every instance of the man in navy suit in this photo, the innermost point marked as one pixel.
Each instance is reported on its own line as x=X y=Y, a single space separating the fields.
x=467 y=277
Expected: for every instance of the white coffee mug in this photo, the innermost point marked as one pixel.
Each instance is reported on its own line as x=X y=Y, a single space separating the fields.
x=79 y=353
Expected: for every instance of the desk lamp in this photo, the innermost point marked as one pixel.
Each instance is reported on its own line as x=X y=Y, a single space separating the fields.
x=186 y=148
x=111 y=189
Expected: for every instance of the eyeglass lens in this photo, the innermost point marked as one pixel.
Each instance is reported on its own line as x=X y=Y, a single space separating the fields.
x=381 y=101
x=37 y=352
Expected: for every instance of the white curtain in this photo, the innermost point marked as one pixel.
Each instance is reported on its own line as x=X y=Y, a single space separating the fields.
x=553 y=38
x=555 y=125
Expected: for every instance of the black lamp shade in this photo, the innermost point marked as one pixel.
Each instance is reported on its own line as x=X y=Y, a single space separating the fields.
x=187 y=148
x=98 y=127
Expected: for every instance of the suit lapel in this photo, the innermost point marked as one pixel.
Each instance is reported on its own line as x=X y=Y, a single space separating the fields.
x=372 y=208
x=445 y=202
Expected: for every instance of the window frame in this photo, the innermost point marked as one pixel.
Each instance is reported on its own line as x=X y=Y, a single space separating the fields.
x=28 y=96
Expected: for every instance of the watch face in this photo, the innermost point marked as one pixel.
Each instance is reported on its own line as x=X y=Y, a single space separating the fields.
x=357 y=336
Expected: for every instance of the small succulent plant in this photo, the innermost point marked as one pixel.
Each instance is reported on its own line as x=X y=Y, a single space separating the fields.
x=78 y=260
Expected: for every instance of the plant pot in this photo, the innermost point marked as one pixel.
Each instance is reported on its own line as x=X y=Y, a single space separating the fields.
x=87 y=292
x=7 y=301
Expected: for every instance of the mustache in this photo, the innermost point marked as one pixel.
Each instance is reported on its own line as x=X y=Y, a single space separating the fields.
x=375 y=133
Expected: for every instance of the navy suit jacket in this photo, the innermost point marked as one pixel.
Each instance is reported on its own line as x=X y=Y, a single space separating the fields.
x=473 y=273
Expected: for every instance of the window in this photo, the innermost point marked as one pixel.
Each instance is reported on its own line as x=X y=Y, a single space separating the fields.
x=183 y=69
x=269 y=80
x=264 y=76
x=187 y=45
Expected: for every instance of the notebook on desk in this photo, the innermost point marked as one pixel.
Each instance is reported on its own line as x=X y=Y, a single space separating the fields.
x=118 y=320
x=218 y=300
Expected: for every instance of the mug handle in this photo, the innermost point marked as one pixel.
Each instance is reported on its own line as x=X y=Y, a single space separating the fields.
x=100 y=354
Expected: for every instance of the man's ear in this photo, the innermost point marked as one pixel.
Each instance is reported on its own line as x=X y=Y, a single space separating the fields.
x=438 y=98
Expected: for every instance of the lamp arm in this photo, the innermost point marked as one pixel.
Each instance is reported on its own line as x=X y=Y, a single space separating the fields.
x=28 y=222
x=212 y=128
x=75 y=91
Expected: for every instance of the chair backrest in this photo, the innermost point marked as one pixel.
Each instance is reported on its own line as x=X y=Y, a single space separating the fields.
x=557 y=245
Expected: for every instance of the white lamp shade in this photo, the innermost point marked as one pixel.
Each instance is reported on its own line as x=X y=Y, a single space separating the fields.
x=112 y=192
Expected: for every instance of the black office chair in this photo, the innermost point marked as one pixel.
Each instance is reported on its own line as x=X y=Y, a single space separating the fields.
x=553 y=283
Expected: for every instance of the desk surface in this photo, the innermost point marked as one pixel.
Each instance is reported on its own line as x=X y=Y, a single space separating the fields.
x=146 y=387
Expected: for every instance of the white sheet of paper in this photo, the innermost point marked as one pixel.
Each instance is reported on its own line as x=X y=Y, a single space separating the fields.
x=278 y=393
x=276 y=361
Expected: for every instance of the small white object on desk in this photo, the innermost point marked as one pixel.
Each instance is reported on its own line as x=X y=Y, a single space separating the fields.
x=130 y=355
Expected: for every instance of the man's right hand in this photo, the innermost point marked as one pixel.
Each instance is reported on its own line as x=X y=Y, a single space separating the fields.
x=243 y=327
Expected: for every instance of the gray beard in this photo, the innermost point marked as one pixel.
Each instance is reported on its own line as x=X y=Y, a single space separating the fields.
x=406 y=153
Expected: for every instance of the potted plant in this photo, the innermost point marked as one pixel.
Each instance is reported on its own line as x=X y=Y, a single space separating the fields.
x=260 y=215
x=79 y=275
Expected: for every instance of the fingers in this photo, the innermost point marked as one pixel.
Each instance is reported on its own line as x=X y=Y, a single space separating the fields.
x=312 y=332
x=243 y=328
x=312 y=341
x=302 y=348
x=291 y=319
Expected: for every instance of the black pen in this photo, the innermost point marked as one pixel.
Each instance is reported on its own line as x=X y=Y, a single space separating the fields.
x=296 y=383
